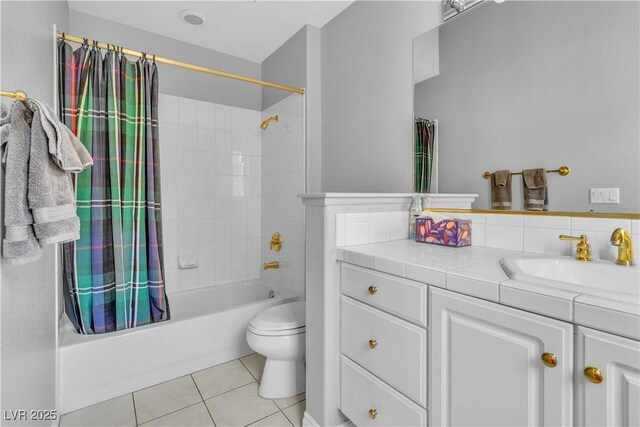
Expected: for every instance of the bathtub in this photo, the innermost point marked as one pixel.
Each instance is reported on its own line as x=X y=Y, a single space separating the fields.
x=207 y=327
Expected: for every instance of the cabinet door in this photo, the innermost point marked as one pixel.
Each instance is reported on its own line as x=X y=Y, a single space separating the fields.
x=614 y=398
x=486 y=366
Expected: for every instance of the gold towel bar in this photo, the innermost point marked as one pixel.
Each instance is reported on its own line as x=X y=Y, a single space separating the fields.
x=562 y=170
x=19 y=95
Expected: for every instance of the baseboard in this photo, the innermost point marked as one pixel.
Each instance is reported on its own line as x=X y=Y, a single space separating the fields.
x=308 y=421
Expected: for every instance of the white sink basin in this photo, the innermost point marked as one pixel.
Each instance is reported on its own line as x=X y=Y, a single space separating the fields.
x=602 y=277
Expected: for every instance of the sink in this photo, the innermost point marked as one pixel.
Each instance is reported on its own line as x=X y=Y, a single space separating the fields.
x=601 y=277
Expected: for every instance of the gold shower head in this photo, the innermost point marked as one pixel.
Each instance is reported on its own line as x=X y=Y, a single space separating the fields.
x=265 y=124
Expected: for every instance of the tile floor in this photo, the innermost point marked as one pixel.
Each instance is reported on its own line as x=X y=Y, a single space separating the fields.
x=223 y=395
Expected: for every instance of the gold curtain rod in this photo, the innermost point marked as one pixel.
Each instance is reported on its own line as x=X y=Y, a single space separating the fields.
x=562 y=170
x=19 y=95
x=180 y=64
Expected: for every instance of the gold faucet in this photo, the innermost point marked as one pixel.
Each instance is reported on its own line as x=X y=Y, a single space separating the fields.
x=583 y=249
x=621 y=238
x=273 y=264
x=276 y=242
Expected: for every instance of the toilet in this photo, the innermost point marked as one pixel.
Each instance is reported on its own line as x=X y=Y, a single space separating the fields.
x=278 y=333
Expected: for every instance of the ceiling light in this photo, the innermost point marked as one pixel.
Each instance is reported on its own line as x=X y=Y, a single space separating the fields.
x=192 y=17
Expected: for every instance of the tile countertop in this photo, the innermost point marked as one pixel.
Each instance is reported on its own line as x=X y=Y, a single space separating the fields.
x=476 y=271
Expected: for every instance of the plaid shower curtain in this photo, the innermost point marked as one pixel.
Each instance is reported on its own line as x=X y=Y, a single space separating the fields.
x=113 y=275
x=424 y=150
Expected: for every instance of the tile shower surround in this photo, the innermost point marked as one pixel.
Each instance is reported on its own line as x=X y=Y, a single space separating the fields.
x=528 y=233
x=282 y=182
x=211 y=191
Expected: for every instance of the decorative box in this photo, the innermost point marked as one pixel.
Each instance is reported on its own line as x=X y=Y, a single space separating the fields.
x=448 y=232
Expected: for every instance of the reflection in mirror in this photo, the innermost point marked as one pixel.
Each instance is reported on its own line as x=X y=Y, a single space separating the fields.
x=534 y=84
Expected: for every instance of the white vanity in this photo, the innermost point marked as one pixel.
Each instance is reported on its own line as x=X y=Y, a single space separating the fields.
x=414 y=334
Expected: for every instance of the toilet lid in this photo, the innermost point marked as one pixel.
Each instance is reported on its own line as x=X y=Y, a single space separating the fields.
x=281 y=317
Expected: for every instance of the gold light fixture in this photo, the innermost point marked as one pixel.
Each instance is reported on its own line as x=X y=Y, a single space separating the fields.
x=265 y=124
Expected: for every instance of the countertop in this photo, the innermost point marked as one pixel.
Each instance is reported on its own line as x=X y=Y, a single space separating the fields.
x=476 y=271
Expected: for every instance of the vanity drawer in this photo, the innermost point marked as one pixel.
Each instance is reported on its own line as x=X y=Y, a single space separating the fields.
x=390 y=348
x=361 y=392
x=401 y=297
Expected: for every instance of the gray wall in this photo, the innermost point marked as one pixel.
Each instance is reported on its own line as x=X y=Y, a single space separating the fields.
x=367 y=92
x=298 y=63
x=314 y=110
x=287 y=66
x=540 y=84
x=27 y=293
x=174 y=80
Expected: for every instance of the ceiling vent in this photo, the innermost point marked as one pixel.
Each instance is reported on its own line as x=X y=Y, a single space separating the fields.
x=192 y=17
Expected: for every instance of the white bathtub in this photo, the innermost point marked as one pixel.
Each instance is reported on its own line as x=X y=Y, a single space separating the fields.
x=207 y=327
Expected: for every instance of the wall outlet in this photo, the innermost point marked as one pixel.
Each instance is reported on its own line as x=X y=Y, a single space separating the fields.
x=604 y=196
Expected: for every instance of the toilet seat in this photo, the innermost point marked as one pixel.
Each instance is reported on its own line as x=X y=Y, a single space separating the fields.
x=281 y=333
x=283 y=319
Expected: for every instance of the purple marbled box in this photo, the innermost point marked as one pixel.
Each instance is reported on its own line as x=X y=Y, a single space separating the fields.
x=449 y=232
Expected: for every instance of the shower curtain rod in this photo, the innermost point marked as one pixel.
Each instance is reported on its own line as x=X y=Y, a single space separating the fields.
x=73 y=39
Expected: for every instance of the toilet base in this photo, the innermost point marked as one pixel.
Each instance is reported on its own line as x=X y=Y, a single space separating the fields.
x=282 y=378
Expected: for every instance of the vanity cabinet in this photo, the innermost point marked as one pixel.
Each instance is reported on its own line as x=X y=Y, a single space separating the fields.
x=383 y=346
x=418 y=355
x=607 y=379
x=487 y=365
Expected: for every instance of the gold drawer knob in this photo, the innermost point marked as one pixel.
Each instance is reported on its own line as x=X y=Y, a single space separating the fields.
x=550 y=360
x=594 y=375
x=373 y=343
x=373 y=290
x=373 y=413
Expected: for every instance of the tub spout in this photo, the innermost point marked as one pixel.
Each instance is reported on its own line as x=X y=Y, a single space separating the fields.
x=273 y=264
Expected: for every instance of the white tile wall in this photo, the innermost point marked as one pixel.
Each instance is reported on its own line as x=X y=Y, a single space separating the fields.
x=207 y=206
x=539 y=234
x=282 y=171
x=373 y=227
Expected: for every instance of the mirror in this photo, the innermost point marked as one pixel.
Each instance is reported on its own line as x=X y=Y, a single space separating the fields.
x=533 y=84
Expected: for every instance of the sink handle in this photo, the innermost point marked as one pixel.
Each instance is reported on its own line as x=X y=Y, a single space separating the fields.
x=583 y=249
x=566 y=237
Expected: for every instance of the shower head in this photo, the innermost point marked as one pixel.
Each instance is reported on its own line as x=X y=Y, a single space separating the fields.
x=265 y=124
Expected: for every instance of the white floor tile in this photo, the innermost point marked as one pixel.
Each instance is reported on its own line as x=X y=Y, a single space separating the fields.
x=222 y=378
x=255 y=364
x=295 y=413
x=115 y=412
x=276 y=420
x=240 y=407
x=196 y=415
x=285 y=402
x=162 y=399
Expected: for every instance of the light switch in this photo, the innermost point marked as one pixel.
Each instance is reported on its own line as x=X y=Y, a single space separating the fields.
x=604 y=195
